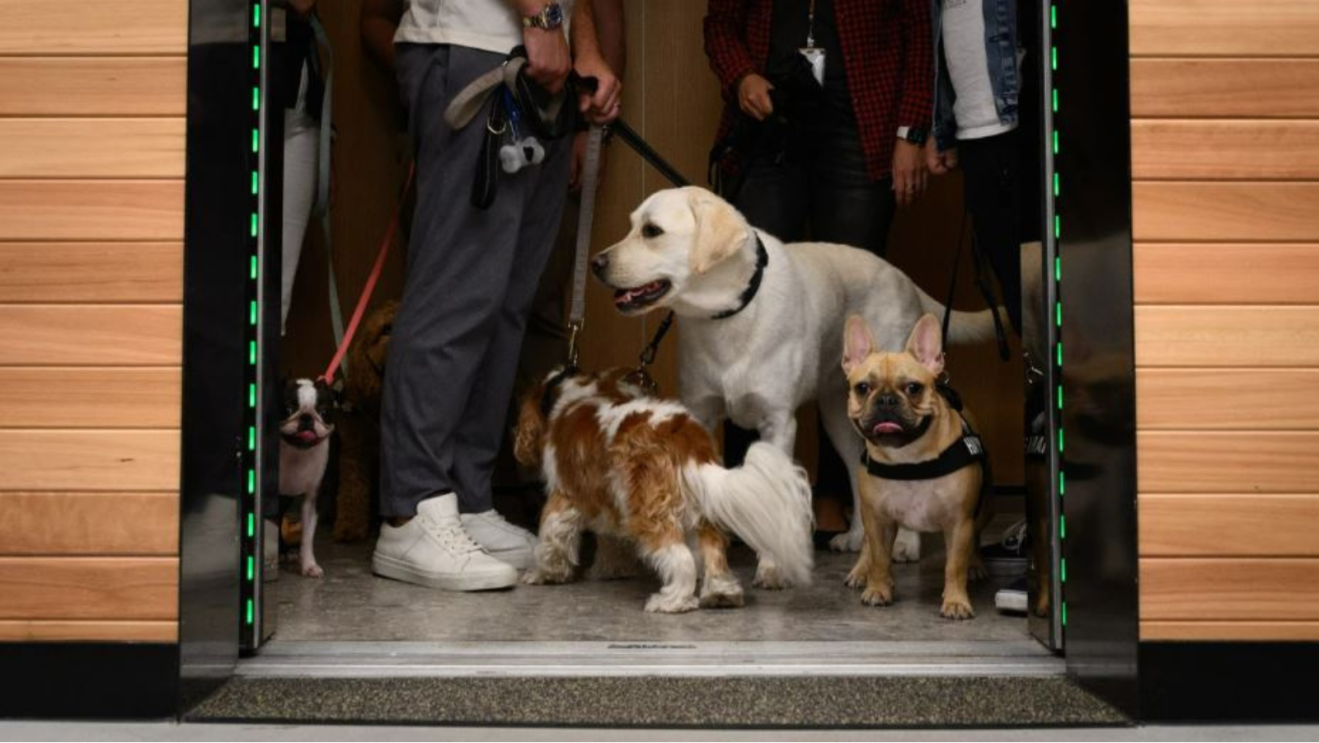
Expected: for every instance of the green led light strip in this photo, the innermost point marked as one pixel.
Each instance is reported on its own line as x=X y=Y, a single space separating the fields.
x=252 y=326
x=1056 y=178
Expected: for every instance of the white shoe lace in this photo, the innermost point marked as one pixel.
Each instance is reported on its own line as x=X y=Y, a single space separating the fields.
x=452 y=537
x=1014 y=535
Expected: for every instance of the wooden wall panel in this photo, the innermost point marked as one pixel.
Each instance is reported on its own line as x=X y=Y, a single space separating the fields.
x=1229 y=525
x=1227 y=335
x=1240 y=88
x=1224 y=150
x=84 y=459
x=1224 y=28
x=93 y=86
x=104 y=397
x=1214 y=211
x=1242 y=398
x=1237 y=589
x=38 y=27
x=135 y=272
x=1218 y=631
x=91 y=148
x=1228 y=462
x=89 y=588
x=95 y=630
x=92 y=100
x=89 y=524
x=91 y=334
x=1226 y=273
x=91 y=210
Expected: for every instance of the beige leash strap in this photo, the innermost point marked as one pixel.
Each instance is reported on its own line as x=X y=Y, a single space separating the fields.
x=585 y=221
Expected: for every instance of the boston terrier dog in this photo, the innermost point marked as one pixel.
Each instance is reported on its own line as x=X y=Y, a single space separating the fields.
x=304 y=453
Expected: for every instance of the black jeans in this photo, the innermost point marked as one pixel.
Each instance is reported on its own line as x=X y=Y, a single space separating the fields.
x=817 y=189
x=1004 y=207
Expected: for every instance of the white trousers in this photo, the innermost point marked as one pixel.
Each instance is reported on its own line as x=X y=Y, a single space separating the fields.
x=301 y=152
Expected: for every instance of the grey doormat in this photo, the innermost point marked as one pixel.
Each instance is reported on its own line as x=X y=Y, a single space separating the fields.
x=664 y=702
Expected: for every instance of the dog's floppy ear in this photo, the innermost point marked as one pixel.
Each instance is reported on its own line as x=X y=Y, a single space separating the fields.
x=858 y=343
x=926 y=343
x=720 y=230
x=529 y=435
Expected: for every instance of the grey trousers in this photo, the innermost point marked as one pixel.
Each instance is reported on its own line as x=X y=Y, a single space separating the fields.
x=471 y=277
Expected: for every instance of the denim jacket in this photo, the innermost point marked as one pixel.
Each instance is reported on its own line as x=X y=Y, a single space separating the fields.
x=1004 y=70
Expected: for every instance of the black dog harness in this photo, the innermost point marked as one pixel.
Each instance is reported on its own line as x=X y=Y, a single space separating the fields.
x=753 y=286
x=967 y=450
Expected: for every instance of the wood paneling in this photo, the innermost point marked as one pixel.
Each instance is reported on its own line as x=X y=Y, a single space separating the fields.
x=1247 y=589
x=89 y=587
x=1220 y=28
x=1225 y=211
x=137 y=272
x=1227 y=336
x=54 y=630
x=93 y=86
x=91 y=210
x=91 y=148
x=1228 y=462
x=1227 y=399
x=89 y=523
x=76 y=397
x=1229 y=88
x=1226 y=273
x=1229 y=525
x=91 y=334
x=38 y=27
x=95 y=460
x=1227 y=631
x=1224 y=150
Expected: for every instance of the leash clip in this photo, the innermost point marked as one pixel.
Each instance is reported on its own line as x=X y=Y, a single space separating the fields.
x=573 y=328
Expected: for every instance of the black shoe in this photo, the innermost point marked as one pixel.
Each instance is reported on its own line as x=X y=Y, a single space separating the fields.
x=1013 y=598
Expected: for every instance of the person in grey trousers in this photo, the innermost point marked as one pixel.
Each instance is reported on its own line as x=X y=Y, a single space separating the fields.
x=471 y=278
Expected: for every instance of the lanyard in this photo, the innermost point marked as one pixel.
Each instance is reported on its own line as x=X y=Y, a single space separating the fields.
x=810 y=26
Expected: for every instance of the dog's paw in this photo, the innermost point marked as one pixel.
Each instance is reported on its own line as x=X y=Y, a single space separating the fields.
x=658 y=603
x=541 y=577
x=877 y=595
x=957 y=608
x=856 y=577
x=311 y=570
x=849 y=541
x=769 y=578
x=907 y=546
x=723 y=600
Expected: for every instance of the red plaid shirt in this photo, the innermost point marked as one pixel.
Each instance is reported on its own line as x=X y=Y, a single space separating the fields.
x=886 y=56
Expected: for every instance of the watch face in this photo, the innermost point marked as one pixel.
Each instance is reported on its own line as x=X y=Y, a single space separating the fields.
x=554 y=15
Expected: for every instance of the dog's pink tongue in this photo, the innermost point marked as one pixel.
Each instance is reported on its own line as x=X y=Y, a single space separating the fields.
x=888 y=427
x=307 y=436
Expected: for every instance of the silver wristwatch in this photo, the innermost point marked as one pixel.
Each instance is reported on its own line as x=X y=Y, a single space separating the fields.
x=550 y=17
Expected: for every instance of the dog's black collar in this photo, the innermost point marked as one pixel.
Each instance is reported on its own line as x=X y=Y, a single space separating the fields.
x=551 y=387
x=753 y=286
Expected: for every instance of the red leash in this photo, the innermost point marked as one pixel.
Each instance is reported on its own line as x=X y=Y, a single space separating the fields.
x=371 y=280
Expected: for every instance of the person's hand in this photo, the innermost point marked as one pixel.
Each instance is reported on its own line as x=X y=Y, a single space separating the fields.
x=753 y=97
x=577 y=166
x=602 y=106
x=302 y=7
x=939 y=162
x=548 y=58
x=908 y=172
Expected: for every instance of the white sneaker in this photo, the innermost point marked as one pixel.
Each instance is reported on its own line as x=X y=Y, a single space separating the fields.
x=511 y=544
x=433 y=550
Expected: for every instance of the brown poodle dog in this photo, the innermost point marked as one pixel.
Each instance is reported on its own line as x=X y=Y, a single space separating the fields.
x=359 y=426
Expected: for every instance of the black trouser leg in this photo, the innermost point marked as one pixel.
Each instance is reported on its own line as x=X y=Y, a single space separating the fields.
x=992 y=180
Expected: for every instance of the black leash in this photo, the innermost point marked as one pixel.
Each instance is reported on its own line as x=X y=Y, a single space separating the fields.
x=983 y=284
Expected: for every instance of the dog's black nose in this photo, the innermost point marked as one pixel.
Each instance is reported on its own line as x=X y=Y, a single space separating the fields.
x=888 y=401
x=306 y=421
x=600 y=264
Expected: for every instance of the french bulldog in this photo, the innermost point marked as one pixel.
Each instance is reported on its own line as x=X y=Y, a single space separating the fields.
x=895 y=403
x=304 y=454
